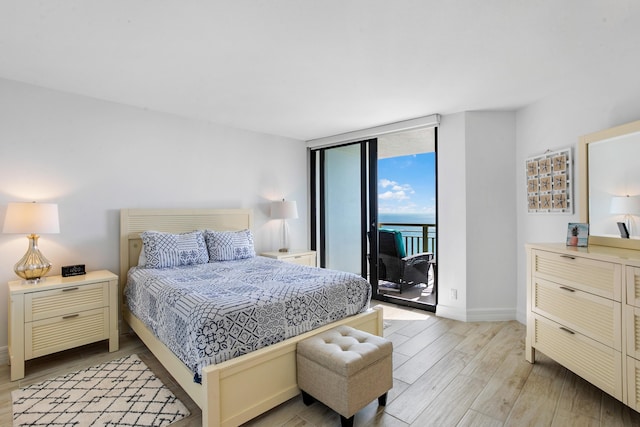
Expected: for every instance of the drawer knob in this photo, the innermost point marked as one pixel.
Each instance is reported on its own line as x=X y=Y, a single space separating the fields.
x=567 y=330
x=567 y=256
x=70 y=289
x=71 y=316
x=564 y=288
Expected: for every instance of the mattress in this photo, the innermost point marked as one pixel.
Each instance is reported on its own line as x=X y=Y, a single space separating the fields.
x=213 y=312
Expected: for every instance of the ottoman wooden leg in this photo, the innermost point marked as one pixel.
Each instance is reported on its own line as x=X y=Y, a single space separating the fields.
x=307 y=399
x=346 y=422
x=382 y=400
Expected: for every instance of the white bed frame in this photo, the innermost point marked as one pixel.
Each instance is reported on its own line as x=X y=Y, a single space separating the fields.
x=240 y=389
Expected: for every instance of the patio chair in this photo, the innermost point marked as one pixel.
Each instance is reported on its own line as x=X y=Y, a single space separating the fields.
x=395 y=266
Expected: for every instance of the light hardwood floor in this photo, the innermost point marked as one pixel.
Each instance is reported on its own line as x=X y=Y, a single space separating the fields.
x=446 y=373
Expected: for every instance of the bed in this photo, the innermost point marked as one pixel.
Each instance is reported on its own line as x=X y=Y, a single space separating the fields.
x=236 y=390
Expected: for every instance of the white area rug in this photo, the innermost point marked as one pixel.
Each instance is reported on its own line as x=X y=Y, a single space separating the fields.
x=122 y=392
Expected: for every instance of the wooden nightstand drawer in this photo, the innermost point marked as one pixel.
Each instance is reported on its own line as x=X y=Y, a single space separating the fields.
x=302 y=260
x=593 y=361
x=594 y=316
x=301 y=257
x=72 y=299
x=64 y=332
x=593 y=276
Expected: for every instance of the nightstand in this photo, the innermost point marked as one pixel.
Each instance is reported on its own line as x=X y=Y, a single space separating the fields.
x=61 y=313
x=302 y=257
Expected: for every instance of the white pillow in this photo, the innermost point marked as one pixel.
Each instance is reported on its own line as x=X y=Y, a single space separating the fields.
x=170 y=250
x=142 y=258
x=229 y=245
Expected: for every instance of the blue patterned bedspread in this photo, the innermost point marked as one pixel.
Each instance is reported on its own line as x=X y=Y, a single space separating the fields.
x=213 y=312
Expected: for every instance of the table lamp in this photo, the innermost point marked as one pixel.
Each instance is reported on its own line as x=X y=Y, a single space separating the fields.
x=284 y=210
x=627 y=206
x=32 y=218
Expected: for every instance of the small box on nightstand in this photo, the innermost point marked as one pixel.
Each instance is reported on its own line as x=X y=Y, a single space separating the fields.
x=73 y=270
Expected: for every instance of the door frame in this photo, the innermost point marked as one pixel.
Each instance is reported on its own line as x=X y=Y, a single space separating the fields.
x=397 y=299
x=369 y=214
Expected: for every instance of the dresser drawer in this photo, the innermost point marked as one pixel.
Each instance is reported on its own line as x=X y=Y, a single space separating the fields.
x=633 y=383
x=633 y=286
x=594 y=316
x=593 y=276
x=632 y=321
x=64 y=332
x=62 y=301
x=591 y=360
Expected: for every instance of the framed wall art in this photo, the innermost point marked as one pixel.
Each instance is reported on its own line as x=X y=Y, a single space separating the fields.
x=549 y=182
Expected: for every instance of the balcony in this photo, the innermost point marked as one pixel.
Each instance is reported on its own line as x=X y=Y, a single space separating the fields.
x=417 y=237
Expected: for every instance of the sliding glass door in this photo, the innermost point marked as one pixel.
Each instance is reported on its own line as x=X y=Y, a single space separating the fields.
x=373 y=213
x=407 y=196
x=342 y=208
x=343 y=204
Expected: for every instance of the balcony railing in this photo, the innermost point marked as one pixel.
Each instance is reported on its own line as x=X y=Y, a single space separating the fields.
x=417 y=237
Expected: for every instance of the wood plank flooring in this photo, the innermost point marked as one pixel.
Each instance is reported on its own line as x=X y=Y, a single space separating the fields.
x=446 y=373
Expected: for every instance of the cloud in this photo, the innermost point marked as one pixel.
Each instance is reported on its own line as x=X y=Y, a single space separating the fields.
x=384 y=183
x=393 y=195
x=396 y=192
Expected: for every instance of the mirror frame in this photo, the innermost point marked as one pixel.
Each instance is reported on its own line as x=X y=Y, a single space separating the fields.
x=583 y=156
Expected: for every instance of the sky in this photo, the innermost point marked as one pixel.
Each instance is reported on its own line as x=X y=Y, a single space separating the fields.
x=407 y=184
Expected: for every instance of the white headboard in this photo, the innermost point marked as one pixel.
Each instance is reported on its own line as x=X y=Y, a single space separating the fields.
x=135 y=221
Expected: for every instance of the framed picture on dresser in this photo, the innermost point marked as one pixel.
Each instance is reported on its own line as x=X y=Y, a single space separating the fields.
x=577 y=234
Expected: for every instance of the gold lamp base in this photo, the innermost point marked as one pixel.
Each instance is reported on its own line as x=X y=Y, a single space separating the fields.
x=33 y=265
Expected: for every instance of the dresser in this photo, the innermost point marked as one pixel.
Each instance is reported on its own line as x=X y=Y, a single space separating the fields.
x=302 y=257
x=59 y=313
x=583 y=311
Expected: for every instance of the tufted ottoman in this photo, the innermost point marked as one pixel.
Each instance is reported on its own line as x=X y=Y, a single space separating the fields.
x=345 y=369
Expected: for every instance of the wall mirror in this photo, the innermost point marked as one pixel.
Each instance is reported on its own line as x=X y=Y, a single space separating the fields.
x=610 y=171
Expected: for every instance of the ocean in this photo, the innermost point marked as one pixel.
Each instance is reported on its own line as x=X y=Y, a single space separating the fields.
x=406 y=218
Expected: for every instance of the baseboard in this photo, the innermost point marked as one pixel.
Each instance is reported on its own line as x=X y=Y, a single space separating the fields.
x=4 y=355
x=491 y=314
x=453 y=313
x=476 y=315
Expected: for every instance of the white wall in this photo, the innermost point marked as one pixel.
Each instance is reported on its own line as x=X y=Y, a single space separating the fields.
x=477 y=216
x=478 y=253
x=94 y=158
x=452 y=223
x=557 y=122
x=491 y=215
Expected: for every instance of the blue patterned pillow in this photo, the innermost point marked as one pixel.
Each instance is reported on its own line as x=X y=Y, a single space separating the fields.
x=171 y=250
x=229 y=245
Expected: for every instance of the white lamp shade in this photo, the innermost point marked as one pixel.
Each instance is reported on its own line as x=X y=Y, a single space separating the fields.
x=625 y=205
x=284 y=210
x=28 y=218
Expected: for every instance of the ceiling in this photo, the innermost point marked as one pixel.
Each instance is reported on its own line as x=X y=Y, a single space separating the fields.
x=307 y=69
x=406 y=143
